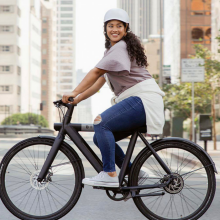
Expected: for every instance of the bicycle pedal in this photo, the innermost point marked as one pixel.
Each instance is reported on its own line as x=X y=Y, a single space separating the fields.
x=99 y=187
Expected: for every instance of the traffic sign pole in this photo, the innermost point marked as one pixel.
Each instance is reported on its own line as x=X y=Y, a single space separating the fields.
x=192 y=71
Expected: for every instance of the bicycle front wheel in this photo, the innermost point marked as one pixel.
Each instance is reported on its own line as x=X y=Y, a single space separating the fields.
x=28 y=199
x=191 y=192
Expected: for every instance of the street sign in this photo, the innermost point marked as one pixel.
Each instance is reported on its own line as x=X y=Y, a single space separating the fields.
x=166 y=70
x=192 y=70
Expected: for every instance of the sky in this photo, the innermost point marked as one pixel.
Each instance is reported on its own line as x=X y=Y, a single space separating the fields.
x=89 y=31
x=90 y=43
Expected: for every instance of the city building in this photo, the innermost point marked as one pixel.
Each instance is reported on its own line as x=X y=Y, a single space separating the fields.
x=20 y=57
x=171 y=52
x=66 y=75
x=144 y=16
x=152 y=50
x=85 y=107
x=195 y=23
x=186 y=23
x=215 y=45
x=48 y=64
x=66 y=46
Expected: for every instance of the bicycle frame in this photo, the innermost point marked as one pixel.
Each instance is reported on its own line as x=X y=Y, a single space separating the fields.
x=72 y=129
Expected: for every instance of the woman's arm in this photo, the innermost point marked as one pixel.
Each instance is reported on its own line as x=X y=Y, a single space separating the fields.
x=86 y=83
x=92 y=90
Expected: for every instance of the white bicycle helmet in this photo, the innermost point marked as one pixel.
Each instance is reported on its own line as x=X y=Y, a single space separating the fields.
x=116 y=14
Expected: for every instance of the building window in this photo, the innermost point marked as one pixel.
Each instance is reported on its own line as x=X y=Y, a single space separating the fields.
x=66 y=74
x=4 y=108
x=5 y=89
x=66 y=35
x=66 y=9
x=44 y=92
x=67 y=41
x=6 y=69
x=18 y=51
x=44 y=41
x=44 y=72
x=6 y=48
x=66 y=28
x=18 y=90
x=18 y=31
x=66 y=54
x=6 y=28
x=36 y=62
x=19 y=70
x=36 y=95
x=6 y=8
x=37 y=47
x=66 y=87
x=200 y=7
x=36 y=29
x=66 y=22
x=44 y=103
x=66 y=61
x=201 y=35
x=66 y=67
x=66 y=2
x=44 y=51
x=44 y=82
x=44 y=61
x=44 y=20
x=66 y=81
x=66 y=15
x=66 y=48
x=35 y=78
x=44 y=30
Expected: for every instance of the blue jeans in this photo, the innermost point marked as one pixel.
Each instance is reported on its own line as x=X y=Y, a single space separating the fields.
x=126 y=115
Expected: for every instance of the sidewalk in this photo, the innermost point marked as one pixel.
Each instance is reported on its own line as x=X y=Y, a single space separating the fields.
x=215 y=154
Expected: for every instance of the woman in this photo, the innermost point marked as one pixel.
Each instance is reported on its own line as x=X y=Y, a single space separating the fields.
x=138 y=99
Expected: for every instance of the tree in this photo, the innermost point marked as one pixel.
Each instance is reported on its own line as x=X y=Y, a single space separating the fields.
x=212 y=77
x=26 y=119
x=178 y=100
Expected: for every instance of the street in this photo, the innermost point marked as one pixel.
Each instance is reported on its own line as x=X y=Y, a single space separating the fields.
x=94 y=204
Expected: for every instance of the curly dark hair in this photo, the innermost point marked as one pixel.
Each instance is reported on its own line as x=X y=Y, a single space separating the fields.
x=134 y=47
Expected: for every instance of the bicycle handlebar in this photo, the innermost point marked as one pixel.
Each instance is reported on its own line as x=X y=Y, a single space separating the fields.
x=60 y=102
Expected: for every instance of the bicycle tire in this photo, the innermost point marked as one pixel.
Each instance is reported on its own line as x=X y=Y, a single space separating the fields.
x=72 y=170
x=174 y=150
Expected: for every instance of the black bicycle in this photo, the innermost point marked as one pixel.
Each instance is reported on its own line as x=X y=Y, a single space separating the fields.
x=41 y=177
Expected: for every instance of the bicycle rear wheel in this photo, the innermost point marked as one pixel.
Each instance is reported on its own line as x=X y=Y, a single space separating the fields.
x=191 y=192
x=28 y=199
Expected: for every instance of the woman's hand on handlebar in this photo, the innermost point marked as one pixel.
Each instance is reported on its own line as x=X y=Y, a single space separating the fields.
x=66 y=96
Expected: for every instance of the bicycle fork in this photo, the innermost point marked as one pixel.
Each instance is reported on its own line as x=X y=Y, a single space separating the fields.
x=52 y=154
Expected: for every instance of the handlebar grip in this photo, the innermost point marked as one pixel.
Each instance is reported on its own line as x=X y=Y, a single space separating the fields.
x=71 y=99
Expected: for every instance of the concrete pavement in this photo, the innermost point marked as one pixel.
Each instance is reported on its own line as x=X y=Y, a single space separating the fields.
x=94 y=204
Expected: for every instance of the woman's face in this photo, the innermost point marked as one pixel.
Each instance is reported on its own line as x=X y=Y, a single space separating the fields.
x=115 y=31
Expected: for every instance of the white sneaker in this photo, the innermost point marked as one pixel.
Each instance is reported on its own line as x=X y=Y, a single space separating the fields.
x=102 y=179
